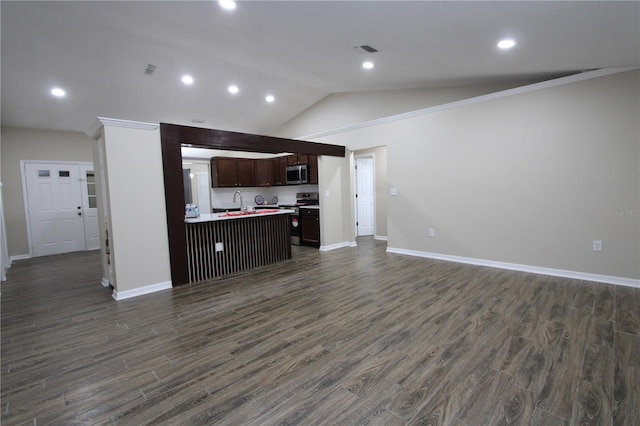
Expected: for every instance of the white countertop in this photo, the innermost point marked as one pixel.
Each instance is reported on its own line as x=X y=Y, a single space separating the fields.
x=209 y=217
x=237 y=206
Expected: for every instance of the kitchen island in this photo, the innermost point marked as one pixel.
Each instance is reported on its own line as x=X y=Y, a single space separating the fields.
x=225 y=243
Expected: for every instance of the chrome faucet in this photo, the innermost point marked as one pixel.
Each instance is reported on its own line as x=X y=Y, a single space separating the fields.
x=234 y=199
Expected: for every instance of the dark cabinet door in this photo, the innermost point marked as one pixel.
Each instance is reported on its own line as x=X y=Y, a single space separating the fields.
x=223 y=172
x=296 y=159
x=245 y=172
x=262 y=172
x=310 y=224
x=278 y=170
x=313 y=168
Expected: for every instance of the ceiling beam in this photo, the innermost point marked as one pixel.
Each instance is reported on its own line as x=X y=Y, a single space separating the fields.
x=235 y=141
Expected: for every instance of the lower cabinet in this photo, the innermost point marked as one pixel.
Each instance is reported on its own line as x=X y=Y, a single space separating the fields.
x=310 y=224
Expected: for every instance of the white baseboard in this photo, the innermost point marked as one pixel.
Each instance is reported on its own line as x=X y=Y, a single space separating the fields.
x=19 y=257
x=127 y=294
x=339 y=245
x=105 y=282
x=628 y=282
x=380 y=237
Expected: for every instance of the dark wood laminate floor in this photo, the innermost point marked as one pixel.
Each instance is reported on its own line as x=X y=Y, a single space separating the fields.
x=352 y=336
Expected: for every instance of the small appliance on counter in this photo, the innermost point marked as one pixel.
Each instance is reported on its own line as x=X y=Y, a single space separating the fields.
x=191 y=211
x=302 y=199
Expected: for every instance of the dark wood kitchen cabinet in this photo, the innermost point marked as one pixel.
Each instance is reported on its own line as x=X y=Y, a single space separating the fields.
x=310 y=227
x=231 y=172
x=262 y=172
x=297 y=159
x=278 y=171
x=245 y=172
x=313 y=169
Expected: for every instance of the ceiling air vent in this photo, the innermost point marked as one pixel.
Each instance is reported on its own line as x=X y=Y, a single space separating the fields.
x=150 y=69
x=366 y=48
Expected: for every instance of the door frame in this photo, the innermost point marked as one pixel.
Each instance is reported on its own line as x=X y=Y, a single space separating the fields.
x=25 y=198
x=84 y=191
x=371 y=155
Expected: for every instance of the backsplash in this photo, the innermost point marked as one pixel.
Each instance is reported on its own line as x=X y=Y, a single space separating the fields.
x=223 y=197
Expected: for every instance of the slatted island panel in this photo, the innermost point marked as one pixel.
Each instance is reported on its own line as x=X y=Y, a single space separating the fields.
x=223 y=244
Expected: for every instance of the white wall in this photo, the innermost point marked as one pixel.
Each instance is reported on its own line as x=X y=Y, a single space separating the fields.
x=32 y=144
x=336 y=228
x=528 y=179
x=136 y=211
x=342 y=109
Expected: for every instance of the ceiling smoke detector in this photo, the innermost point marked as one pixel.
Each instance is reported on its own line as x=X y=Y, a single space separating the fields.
x=150 y=69
x=365 y=48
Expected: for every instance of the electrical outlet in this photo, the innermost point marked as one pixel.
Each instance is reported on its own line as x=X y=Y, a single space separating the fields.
x=597 y=245
x=432 y=232
x=393 y=191
x=219 y=247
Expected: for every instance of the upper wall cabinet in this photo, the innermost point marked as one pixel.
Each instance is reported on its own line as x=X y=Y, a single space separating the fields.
x=279 y=171
x=296 y=159
x=313 y=169
x=227 y=172
x=231 y=172
x=262 y=172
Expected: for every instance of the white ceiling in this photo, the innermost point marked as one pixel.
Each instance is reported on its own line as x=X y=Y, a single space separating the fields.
x=300 y=51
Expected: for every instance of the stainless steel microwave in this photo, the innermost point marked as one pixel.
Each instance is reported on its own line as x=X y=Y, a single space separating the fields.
x=297 y=175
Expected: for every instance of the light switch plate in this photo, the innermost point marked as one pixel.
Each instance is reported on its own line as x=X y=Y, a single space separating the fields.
x=394 y=191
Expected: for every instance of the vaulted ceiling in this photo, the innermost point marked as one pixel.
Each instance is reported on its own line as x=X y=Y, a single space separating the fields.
x=297 y=51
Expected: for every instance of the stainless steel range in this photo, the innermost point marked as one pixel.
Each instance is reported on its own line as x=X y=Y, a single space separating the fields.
x=302 y=199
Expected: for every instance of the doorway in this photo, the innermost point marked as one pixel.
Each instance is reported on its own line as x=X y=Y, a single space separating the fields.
x=61 y=207
x=365 y=195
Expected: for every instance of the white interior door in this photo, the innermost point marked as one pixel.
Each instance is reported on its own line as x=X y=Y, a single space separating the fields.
x=89 y=207
x=365 y=199
x=54 y=204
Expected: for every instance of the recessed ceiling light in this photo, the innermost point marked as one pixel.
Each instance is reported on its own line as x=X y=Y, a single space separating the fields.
x=233 y=89
x=58 y=92
x=367 y=65
x=227 y=4
x=187 y=79
x=506 y=43
x=270 y=98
